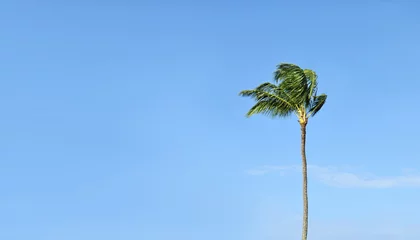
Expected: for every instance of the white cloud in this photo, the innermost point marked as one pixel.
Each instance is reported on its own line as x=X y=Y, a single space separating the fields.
x=340 y=178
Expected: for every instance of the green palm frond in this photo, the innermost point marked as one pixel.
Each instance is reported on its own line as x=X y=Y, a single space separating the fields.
x=312 y=83
x=317 y=104
x=293 y=81
x=267 y=87
x=267 y=90
x=270 y=107
x=270 y=101
x=284 y=71
x=264 y=96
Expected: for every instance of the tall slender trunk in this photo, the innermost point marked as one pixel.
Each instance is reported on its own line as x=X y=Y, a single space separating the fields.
x=305 y=181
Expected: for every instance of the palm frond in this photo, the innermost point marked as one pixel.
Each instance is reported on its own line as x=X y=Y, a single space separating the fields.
x=292 y=80
x=312 y=83
x=317 y=103
x=270 y=107
x=267 y=87
x=270 y=101
x=260 y=95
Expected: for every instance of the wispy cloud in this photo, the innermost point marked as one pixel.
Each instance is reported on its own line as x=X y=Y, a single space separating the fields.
x=346 y=179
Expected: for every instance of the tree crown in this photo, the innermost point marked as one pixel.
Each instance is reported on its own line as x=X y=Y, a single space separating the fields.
x=294 y=91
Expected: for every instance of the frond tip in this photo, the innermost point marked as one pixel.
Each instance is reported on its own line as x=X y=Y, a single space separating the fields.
x=317 y=104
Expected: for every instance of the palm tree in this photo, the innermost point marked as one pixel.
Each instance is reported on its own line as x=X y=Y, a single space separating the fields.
x=294 y=91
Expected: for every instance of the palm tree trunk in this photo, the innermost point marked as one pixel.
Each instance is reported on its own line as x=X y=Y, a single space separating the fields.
x=305 y=181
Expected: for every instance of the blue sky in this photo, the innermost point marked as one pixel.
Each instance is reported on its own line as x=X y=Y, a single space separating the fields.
x=122 y=120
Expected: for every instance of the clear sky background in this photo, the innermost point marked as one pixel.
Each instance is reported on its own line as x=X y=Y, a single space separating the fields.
x=122 y=120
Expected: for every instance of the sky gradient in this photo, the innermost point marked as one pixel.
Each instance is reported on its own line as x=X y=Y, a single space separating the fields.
x=122 y=120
